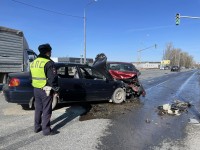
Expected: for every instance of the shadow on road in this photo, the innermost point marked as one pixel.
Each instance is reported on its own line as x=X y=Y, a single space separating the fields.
x=1 y=86
x=70 y=114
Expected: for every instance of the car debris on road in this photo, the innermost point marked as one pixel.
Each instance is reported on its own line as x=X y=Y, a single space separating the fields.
x=194 y=121
x=174 y=109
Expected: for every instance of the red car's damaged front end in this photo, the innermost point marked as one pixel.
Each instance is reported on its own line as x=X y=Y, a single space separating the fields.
x=128 y=75
x=122 y=71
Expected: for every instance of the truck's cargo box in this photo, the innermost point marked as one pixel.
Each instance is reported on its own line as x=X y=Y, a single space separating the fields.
x=14 y=52
x=11 y=50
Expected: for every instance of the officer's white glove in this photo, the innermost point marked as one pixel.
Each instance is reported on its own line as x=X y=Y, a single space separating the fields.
x=47 y=90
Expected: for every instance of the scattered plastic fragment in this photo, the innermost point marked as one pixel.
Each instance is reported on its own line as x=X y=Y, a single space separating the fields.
x=194 y=121
x=147 y=120
x=166 y=107
x=174 y=109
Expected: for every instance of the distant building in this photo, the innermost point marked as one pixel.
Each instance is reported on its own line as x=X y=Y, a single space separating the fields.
x=147 y=65
x=141 y=65
x=55 y=59
x=74 y=60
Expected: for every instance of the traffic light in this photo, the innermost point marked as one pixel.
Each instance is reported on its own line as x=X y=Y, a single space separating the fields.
x=177 y=19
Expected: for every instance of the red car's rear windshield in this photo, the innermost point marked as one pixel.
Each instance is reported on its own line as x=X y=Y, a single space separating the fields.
x=120 y=67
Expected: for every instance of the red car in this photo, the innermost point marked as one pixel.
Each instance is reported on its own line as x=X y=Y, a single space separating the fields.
x=125 y=72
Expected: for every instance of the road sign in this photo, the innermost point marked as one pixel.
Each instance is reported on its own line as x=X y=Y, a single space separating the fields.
x=165 y=62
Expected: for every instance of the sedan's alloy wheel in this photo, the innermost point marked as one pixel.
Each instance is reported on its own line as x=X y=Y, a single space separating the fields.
x=118 y=96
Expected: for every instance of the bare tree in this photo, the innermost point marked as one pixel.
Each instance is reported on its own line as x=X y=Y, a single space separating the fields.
x=177 y=57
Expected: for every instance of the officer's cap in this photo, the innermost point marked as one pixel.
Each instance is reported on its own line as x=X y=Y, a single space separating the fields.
x=44 y=48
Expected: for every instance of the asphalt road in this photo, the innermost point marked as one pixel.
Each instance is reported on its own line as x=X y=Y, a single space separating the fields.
x=143 y=128
x=16 y=130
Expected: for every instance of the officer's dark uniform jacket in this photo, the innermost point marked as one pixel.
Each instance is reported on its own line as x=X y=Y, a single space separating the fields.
x=49 y=70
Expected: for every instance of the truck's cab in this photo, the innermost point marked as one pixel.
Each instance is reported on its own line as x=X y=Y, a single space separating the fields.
x=29 y=56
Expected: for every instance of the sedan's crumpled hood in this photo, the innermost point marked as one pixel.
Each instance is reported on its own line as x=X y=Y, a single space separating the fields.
x=100 y=64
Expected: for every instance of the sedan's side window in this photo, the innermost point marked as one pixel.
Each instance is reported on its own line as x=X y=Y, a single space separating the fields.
x=61 y=72
x=66 y=72
x=75 y=73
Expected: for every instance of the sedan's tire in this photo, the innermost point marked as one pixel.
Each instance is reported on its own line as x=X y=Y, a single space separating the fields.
x=118 y=96
x=54 y=102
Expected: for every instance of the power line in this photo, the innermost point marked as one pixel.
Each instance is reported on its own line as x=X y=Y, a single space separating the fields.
x=47 y=10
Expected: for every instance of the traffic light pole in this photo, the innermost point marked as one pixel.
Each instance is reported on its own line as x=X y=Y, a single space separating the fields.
x=139 y=51
x=190 y=17
x=178 y=16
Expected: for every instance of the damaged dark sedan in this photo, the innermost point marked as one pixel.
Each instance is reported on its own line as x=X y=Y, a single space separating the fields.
x=77 y=82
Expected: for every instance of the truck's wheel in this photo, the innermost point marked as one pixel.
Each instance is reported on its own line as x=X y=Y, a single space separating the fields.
x=118 y=96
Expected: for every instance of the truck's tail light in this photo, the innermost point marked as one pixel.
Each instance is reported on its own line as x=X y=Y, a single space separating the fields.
x=14 y=82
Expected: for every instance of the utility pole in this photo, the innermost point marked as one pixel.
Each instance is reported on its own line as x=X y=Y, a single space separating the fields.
x=84 y=21
x=81 y=59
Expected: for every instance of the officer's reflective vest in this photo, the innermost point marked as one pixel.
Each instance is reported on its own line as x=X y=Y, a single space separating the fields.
x=39 y=78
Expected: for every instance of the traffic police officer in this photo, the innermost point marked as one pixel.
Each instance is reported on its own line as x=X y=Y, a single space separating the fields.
x=43 y=74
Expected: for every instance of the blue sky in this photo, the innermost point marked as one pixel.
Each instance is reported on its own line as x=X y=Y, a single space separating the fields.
x=117 y=28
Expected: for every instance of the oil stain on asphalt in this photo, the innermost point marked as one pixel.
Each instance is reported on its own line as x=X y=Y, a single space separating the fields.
x=108 y=110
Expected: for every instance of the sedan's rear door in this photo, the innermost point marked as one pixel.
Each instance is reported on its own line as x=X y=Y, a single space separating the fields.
x=71 y=88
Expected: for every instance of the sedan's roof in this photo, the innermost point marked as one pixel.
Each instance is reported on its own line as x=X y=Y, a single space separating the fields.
x=58 y=64
x=118 y=62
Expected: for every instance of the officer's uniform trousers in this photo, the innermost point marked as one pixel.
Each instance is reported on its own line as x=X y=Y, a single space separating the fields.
x=43 y=110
